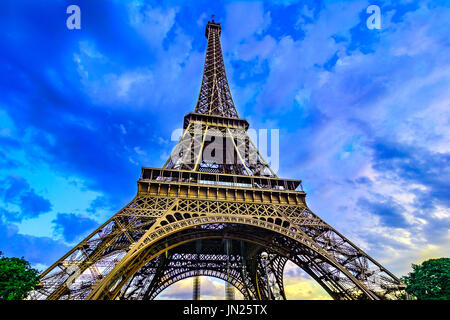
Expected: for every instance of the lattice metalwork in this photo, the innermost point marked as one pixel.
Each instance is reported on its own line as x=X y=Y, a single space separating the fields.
x=339 y=266
x=218 y=149
x=215 y=96
x=183 y=213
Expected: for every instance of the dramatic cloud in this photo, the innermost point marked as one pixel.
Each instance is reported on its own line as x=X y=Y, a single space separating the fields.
x=39 y=251
x=300 y=286
x=389 y=212
x=72 y=226
x=17 y=192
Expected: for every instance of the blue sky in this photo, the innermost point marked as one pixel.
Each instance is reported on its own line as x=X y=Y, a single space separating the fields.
x=363 y=114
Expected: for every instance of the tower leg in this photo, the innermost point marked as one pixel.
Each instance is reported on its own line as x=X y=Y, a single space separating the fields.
x=196 y=281
x=196 y=288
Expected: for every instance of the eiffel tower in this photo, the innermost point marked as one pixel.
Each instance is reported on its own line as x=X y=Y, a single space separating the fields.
x=215 y=209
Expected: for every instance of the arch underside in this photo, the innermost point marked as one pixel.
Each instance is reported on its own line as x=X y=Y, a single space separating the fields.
x=248 y=275
x=161 y=250
x=279 y=247
x=209 y=257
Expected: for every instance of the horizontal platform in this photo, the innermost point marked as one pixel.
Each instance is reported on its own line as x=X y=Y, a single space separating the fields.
x=218 y=121
x=231 y=180
x=214 y=186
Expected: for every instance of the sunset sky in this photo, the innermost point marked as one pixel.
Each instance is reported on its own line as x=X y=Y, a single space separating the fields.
x=363 y=115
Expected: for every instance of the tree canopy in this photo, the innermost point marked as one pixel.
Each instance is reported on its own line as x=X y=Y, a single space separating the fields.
x=17 y=278
x=430 y=280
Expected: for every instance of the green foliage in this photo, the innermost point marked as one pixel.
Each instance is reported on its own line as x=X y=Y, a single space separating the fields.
x=430 y=280
x=17 y=278
x=402 y=295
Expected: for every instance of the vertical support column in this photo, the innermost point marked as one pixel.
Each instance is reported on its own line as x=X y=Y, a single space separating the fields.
x=196 y=281
x=264 y=258
x=196 y=288
x=229 y=290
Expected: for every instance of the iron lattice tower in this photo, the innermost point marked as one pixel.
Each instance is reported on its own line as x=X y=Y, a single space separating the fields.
x=203 y=214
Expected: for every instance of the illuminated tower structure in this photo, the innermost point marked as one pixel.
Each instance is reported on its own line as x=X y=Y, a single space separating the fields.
x=214 y=211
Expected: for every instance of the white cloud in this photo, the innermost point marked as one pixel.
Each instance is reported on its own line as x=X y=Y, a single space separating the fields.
x=201 y=21
x=152 y=22
x=243 y=21
x=300 y=286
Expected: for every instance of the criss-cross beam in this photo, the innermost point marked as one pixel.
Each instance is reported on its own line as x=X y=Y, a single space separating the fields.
x=183 y=262
x=215 y=95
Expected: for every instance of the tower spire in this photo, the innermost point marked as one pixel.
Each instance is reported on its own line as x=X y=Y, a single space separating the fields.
x=216 y=139
x=215 y=96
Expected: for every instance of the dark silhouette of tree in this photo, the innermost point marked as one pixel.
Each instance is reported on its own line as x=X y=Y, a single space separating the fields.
x=17 y=278
x=430 y=280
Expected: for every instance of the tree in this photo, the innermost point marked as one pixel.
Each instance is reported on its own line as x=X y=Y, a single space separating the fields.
x=17 y=278
x=430 y=280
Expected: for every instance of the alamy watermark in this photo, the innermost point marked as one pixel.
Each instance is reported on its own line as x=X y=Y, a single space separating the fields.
x=374 y=21
x=74 y=20
x=74 y=272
